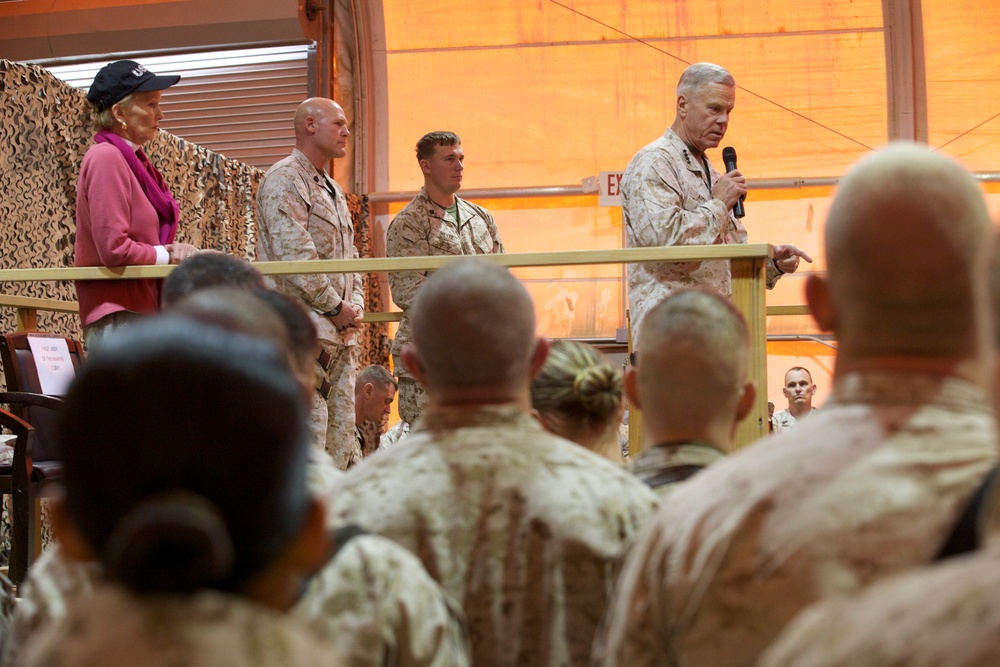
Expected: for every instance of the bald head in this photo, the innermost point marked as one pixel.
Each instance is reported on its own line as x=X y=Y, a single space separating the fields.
x=907 y=241
x=473 y=326
x=692 y=365
x=321 y=130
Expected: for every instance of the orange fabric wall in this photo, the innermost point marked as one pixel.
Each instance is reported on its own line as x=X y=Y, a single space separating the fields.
x=550 y=92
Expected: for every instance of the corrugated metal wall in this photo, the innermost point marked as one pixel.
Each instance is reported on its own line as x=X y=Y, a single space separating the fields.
x=239 y=103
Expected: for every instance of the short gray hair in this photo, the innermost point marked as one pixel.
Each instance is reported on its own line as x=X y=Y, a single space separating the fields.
x=699 y=75
x=376 y=375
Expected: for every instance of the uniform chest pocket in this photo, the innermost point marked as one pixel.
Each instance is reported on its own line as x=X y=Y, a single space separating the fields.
x=481 y=237
x=444 y=240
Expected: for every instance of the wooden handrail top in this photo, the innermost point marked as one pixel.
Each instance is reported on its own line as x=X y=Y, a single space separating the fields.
x=788 y=310
x=53 y=305
x=390 y=316
x=424 y=263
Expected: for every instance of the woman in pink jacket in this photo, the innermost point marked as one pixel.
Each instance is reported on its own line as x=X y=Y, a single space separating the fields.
x=125 y=213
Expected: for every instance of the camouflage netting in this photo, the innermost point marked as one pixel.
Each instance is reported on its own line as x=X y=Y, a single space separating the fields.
x=45 y=129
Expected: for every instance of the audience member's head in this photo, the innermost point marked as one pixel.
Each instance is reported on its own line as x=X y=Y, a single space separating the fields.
x=924 y=300
x=184 y=449
x=799 y=389
x=236 y=310
x=303 y=340
x=473 y=335
x=374 y=389
x=691 y=377
x=578 y=395
x=209 y=269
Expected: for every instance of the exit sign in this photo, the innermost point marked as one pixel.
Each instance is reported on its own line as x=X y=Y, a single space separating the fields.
x=608 y=184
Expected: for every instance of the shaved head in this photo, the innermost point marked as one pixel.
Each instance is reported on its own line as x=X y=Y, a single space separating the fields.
x=314 y=107
x=473 y=326
x=693 y=362
x=907 y=242
x=321 y=130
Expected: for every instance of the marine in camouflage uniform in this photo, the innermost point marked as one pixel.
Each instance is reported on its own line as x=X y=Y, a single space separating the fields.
x=303 y=215
x=373 y=601
x=376 y=604
x=673 y=196
x=112 y=627
x=941 y=614
x=666 y=202
x=422 y=228
x=866 y=488
x=870 y=486
x=525 y=529
x=664 y=466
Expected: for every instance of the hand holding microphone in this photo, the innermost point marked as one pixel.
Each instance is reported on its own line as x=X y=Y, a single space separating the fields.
x=729 y=158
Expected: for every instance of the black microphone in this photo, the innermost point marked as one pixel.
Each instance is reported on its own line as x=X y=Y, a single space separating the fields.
x=729 y=157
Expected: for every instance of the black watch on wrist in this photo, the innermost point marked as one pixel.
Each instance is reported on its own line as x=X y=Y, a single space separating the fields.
x=335 y=311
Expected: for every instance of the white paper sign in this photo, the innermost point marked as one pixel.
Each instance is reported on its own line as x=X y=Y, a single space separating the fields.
x=608 y=183
x=55 y=367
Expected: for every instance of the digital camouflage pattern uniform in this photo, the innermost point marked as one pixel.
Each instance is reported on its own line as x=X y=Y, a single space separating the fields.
x=666 y=201
x=112 y=628
x=423 y=228
x=652 y=463
x=373 y=601
x=869 y=487
x=302 y=214
x=376 y=604
x=942 y=614
x=394 y=434
x=526 y=530
x=783 y=420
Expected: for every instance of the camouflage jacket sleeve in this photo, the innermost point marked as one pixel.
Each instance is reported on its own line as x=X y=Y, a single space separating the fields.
x=378 y=606
x=53 y=581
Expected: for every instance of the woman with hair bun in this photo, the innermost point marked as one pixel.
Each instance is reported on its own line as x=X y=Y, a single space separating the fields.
x=184 y=453
x=578 y=395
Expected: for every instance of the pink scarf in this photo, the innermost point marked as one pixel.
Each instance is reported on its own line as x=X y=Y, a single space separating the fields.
x=152 y=184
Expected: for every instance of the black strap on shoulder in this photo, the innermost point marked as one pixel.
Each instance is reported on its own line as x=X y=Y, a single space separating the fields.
x=964 y=537
x=341 y=535
x=672 y=475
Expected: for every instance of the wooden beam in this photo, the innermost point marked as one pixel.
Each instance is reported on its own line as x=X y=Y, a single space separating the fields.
x=748 y=296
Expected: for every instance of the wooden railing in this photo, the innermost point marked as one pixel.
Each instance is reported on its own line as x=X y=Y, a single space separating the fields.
x=747 y=269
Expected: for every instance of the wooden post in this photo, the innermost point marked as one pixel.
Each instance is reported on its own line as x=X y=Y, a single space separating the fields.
x=634 y=413
x=749 y=284
x=27 y=319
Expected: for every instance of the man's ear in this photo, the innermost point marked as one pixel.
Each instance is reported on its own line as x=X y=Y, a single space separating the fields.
x=425 y=167
x=71 y=542
x=368 y=390
x=631 y=382
x=820 y=303
x=746 y=400
x=681 y=106
x=411 y=360
x=541 y=352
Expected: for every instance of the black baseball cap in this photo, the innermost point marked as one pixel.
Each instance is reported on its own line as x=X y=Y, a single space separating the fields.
x=119 y=79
